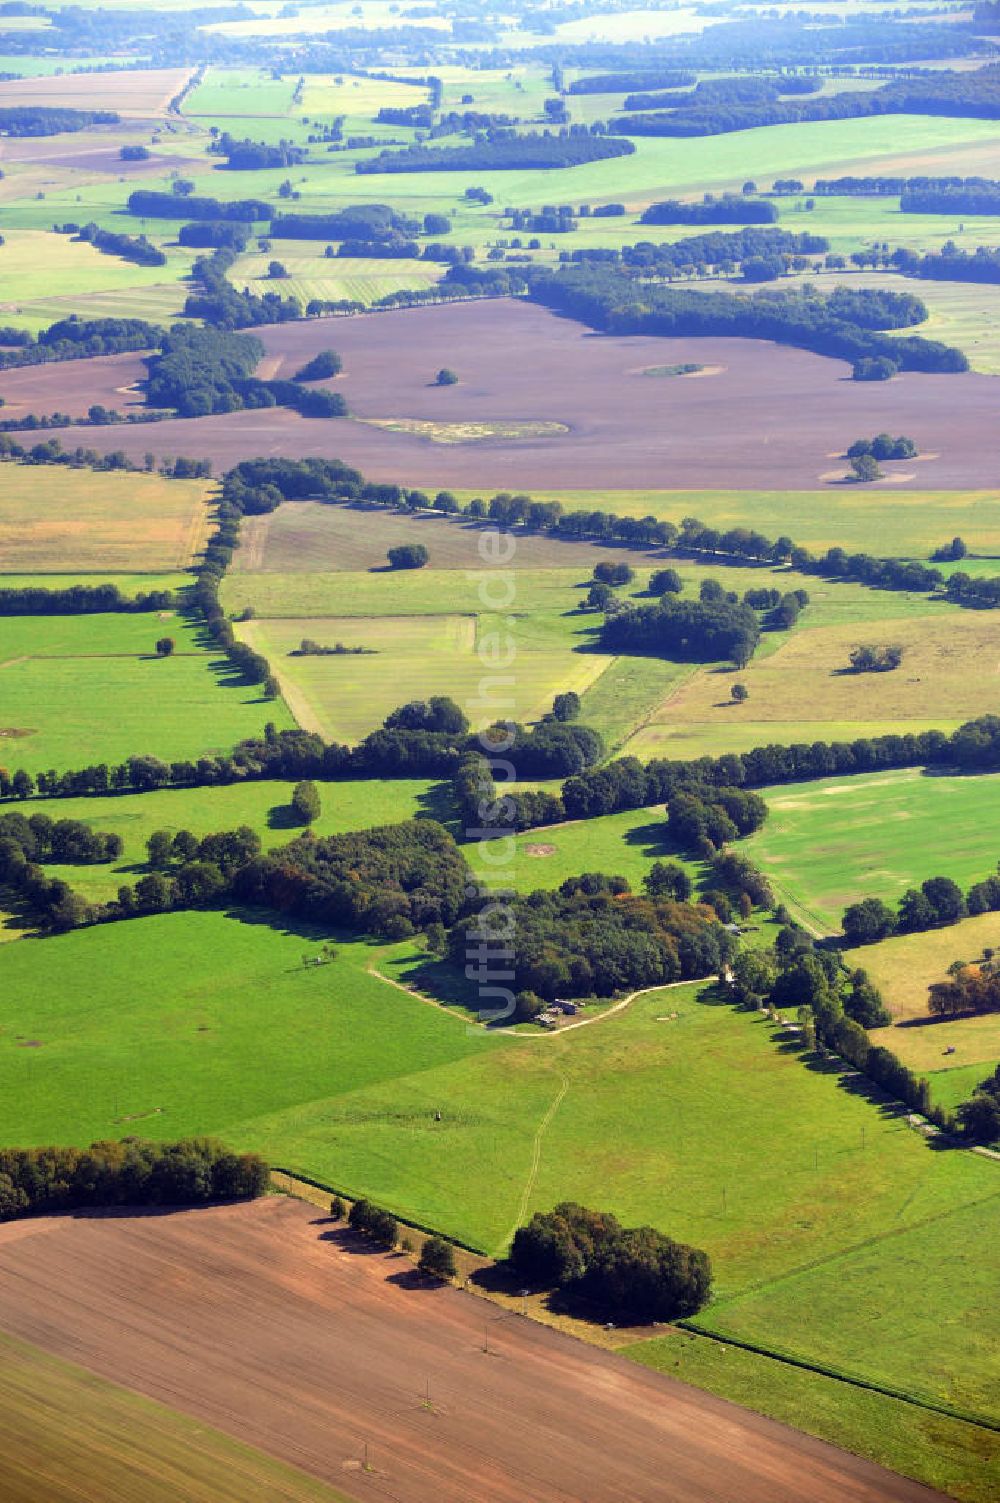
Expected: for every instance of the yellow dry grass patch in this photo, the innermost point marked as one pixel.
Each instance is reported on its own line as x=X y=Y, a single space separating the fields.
x=950 y=669
x=466 y=433
x=905 y=966
x=55 y=520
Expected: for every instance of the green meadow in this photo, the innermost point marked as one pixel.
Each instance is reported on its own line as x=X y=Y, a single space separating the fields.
x=837 y=840
x=679 y=1111
x=83 y=689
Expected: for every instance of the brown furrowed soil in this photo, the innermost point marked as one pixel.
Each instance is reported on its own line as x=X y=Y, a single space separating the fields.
x=83 y=151
x=73 y=386
x=144 y=91
x=772 y=418
x=263 y=1321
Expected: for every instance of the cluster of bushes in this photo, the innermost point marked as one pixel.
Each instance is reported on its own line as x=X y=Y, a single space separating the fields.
x=731 y=208
x=578 y=943
x=79 y=600
x=76 y=338
x=192 y=1171
x=186 y=873
x=846 y=325
x=26 y=843
x=937 y=902
x=381 y=1227
x=883 y=446
x=871 y=657
x=980 y=1115
x=702 y=818
x=42 y=120
x=969 y=989
x=631 y=1272
x=503 y=151
x=390 y=880
x=257 y=156
x=135 y=248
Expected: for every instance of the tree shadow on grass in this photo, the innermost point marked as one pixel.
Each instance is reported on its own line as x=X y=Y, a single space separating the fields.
x=438 y=802
x=284 y=817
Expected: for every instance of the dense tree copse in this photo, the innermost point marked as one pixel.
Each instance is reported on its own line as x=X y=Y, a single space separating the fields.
x=631 y=1272
x=192 y=1171
x=685 y=630
x=201 y=371
x=503 y=151
x=257 y=156
x=732 y=208
x=700 y=253
x=147 y=203
x=581 y=944
x=215 y=234
x=76 y=338
x=618 y=83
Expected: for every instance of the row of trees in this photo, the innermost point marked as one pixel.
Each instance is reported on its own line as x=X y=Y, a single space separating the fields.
x=718 y=250
x=937 y=902
x=79 y=600
x=502 y=150
x=191 y=1171
x=48 y=120
x=135 y=248
x=731 y=208
x=76 y=338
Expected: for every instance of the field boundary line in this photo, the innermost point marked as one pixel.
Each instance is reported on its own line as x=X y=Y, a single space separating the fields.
x=536 y=1159
x=841 y=1376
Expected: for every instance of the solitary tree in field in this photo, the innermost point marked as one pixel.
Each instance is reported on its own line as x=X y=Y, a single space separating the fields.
x=866 y=467
x=437 y=1259
x=164 y=647
x=408 y=556
x=445 y=377
x=740 y=693
x=306 y=802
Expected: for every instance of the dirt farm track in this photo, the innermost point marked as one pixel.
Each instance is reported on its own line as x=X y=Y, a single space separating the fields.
x=261 y=1321
x=761 y=416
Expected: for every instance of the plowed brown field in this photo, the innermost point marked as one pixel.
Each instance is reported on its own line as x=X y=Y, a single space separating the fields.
x=769 y=418
x=264 y=1322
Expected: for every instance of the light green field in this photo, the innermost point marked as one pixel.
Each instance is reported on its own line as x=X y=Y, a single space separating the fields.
x=866 y=1318
x=240 y=91
x=832 y=842
x=83 y=689
x=345 y=697
x=73 y=1437
x=264 y=806
x=36 y=264
x=160 y=303
x=675 y=1108
x=55 y=520
x=312 y=275
x=957 y=1458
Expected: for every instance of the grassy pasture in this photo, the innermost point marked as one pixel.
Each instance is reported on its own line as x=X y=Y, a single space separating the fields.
x=832 y=842
x=866 y=1315
x=344 y=697
x=73 y=1437
x=39 y=264
x=957 y=1458
x=240 y=91
x=804 y=678
x=78 y=689
x=57 y=520
x=264 y=806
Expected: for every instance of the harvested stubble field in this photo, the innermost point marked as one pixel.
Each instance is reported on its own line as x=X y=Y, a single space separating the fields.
x=345 y=1362
x=56 y=520
x=520 y=363
x=73 y=1437
x=838 y=840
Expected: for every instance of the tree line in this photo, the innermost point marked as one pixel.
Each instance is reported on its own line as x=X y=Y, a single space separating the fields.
x=79 y=600
x=937 y=902
x=731 y=208
x=77 y=338
x=191 y=1171
x=47 y=120
x=129 y=247
x=503 y=151
x=257 y=156
x=741 y=89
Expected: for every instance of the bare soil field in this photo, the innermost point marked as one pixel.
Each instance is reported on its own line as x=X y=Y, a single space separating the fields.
x=73 y=386
x=311 y=537
x=770 y=419
x=145 y=91
x=266 y=1322
x=84 y=152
